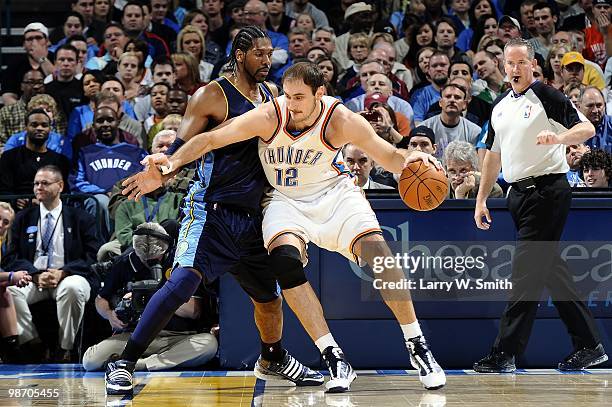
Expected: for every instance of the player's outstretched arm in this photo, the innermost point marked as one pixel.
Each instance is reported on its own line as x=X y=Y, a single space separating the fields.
x=259 y=122
x=349 y=127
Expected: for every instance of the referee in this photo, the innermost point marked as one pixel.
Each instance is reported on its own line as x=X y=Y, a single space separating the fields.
x=529 y=128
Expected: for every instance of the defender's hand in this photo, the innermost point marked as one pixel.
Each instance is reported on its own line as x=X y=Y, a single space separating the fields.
x=144 y=182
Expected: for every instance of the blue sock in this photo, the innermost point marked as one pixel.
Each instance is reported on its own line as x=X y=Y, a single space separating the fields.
x=159 y=310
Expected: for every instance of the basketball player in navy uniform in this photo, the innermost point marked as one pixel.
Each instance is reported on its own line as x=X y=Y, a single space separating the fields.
x=300 y=135
x=221 y=229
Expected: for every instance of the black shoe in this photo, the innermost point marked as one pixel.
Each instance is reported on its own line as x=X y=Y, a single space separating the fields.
x=583 y=358
x=119 y=377
x=431 y=374
x=289 y=369
x=496 y=362
x=340 y=372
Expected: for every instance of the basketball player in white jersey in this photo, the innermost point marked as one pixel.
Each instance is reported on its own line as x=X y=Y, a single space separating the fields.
x=314 y=200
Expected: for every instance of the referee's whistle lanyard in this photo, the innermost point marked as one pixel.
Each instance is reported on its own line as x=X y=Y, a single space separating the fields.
x=150 y=216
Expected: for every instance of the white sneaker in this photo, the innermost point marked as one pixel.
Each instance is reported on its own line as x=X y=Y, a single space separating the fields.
x=340 y=371
x=430 y=373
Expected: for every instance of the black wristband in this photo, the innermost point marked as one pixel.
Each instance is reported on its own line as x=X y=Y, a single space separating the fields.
x=178 y=142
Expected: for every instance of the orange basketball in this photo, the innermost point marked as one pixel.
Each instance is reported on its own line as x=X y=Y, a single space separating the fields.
x=421 y=187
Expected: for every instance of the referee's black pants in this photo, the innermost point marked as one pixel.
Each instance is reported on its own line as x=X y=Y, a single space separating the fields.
x=540 y=214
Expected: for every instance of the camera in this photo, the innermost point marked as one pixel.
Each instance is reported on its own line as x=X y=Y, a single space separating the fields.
x=129 y=310
x=372 y=116
x=102 y=268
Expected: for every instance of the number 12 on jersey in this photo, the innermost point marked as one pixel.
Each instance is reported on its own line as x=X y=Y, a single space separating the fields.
x=286 y=177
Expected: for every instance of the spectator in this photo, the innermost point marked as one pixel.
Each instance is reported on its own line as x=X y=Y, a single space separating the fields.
x=593 y=106
x=358 y=46
x=384 y=120
x=360 y=166
x=102 y=10
x=177 y=345
x=161 y=24
x=48 y=104
x=485 y=65
x=217 y=27
x=477 y=9
x=115 y=40
x=508 y=28
x=177 y=104
x=159 y=104
x=134 y=23
x=163 y=71
x=55 y=244
x=573 y=156
x=66 y=89
x=74 y=24
x=37 y=57
x=573 y=92
x=396 y=71
x=545 y=20
x=92 y=28
x=379 y=83
x=305 y=22
x=141 y=49
x=278 y=21
x=170 y=122
x=187 y=72
x=572 y=68
x=214 y=53
x=324 y=37
x=450 y=125
x=102 y=164
x=445 y=36
x=593 y=75
x=106 y=101
x=420 y=71
x=596 y=167
x=126 y=123
x=191 y=40
x=421 y=36
x=420 y=101
x=115 y=86
x=598 y=33
x=366 y=70
x=299 y=43
x=13 y=117
x=7 y=215
x=314 y=53
x=462 y=169
x=485 y=25
x=359 y=17
x=296 y=7
x=127 y=73
x=55 y=142
x=553 y=65
x=421 y=139
x=526 y=13
x=19 y=165
x=330 y=72
x=82 y=116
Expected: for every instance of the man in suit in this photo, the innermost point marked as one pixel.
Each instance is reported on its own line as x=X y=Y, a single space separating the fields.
x=56 y=244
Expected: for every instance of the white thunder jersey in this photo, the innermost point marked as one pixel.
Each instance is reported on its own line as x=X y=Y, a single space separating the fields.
x=302 y=165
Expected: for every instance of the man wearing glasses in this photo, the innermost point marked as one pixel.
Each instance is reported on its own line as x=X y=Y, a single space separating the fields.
x=13 y=117
x=37 y=57
x=55 y=244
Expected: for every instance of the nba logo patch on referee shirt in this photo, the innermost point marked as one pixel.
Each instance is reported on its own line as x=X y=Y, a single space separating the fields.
x=527 y=112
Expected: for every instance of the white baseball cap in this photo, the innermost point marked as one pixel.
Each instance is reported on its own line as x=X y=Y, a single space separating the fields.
x=36 y=27
x=356 y=8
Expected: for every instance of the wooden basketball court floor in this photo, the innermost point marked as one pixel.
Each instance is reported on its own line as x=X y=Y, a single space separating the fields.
x=69 y=385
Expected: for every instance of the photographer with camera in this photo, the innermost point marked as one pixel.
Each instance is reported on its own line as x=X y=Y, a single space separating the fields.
x=133 y=279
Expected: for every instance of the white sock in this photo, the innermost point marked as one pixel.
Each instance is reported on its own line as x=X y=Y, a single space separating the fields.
x=325 y=341
x=411 y=330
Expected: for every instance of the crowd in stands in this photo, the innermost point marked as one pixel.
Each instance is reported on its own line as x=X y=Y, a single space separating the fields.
x=87 y=100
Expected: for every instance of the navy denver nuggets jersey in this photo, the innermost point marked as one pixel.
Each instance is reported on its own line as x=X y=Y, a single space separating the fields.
x=233 y=174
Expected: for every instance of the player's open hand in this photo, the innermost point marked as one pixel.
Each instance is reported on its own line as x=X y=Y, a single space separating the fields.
x=144 y=182
x=427 y=159
x=546 y=137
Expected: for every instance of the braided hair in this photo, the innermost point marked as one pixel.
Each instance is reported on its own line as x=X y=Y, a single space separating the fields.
x=244 y=41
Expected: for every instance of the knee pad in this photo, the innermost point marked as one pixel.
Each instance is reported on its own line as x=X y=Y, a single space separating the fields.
x=181 y=285
x=287 y=267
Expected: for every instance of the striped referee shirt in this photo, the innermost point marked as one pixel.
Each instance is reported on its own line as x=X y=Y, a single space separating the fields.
x=516 y=120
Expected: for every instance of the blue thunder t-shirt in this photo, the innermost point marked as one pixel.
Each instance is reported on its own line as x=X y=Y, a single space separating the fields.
x=233 y=175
